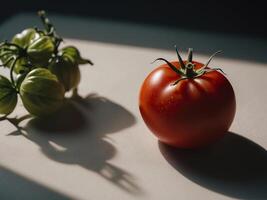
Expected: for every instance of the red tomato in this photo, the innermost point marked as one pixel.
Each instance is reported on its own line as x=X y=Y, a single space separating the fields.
x=193 y=113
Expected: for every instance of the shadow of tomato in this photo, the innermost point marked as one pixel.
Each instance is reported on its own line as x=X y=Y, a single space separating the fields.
x=81 y=129
x=234 y=166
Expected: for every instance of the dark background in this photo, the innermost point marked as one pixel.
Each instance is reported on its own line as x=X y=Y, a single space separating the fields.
x=234 y=17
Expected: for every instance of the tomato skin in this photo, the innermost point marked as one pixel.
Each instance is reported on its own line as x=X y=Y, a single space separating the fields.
x=39 y=47
x=8 y=96
x=193 y=113
x=41 y=92
x=26 y=37
x=67 y=72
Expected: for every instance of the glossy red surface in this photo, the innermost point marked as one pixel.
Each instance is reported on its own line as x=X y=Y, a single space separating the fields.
x=193 y=113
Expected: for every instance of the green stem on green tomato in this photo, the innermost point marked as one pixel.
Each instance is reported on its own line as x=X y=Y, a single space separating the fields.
x=51 y=31
x=48 y=26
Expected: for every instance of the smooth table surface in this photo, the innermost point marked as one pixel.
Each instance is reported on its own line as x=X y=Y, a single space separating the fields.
x=100 y=148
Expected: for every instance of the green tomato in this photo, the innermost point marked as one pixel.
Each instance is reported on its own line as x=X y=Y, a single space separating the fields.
x=73 y=53
x=37 y=45
x=41 y=50
x=20 y=77
x=66 y=70
x=8 y=96
x=41 y=92
x=26 y=37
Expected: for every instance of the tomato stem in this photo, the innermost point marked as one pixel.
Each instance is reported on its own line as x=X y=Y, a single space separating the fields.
x=15 y=121
x=187 y=70
x=48 y=26
x=50 y=29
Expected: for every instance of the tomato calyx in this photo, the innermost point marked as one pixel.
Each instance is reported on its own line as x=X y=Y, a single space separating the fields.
x=187 y=68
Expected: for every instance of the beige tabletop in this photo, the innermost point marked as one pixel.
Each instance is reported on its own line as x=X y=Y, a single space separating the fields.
x=99 y=146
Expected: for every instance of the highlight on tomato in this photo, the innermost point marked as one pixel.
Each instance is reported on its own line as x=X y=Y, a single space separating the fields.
x=186 y=104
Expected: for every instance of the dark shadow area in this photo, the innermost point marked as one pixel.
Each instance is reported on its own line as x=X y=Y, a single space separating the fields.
x=215 y=16
x=78 y=134
x=235 y=166
x=14 y=186
x=234 y=45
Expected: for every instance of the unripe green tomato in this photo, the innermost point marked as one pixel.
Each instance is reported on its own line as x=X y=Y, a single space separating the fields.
x=73 y=53
x=41 y=50
x=67 y=71
x=41 y=92
x=26 y=37
x=38 y=46
x=8 y=96
x=20 y=78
